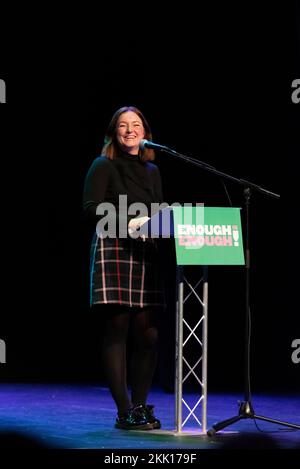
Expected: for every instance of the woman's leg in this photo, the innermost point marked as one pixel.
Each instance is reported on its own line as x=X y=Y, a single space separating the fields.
x=114 y=354
x=144 y=354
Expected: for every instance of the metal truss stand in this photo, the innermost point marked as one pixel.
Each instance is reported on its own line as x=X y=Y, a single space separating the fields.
x=196 y=412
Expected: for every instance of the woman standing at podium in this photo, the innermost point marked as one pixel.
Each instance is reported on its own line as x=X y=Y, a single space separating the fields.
x=126 y=285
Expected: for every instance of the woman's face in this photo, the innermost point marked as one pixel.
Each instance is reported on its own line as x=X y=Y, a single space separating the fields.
x=130 y=131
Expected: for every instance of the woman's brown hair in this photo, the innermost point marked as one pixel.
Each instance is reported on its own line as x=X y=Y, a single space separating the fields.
x=111 y=148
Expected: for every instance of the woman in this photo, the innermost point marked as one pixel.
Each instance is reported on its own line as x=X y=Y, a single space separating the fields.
x=125 y=273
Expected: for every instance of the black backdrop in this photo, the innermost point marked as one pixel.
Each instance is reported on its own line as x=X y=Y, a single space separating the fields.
x=220 y=93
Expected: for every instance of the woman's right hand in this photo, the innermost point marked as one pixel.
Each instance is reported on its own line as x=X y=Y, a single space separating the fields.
x=134 y=225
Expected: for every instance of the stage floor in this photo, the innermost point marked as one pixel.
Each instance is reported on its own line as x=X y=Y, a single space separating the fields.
x=68 y=416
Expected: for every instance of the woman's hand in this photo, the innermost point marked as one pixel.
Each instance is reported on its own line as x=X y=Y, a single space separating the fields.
x=134 y=225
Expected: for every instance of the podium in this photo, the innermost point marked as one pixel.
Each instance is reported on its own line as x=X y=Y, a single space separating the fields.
x=203 y=236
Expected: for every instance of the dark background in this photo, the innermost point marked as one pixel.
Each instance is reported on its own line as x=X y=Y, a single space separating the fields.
x=217 y=87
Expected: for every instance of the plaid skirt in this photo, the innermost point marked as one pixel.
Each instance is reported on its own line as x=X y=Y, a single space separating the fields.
x=125 y=272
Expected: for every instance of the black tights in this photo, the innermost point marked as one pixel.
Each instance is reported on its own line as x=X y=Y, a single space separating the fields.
x=141 y=323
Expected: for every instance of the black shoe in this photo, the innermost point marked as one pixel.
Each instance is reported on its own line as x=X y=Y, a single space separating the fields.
x=149 y=411
x=134 y=419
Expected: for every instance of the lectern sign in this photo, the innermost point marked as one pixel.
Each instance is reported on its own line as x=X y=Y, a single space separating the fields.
x=208 y=236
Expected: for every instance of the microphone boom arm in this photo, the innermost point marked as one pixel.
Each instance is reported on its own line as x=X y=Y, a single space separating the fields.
x=213 y=170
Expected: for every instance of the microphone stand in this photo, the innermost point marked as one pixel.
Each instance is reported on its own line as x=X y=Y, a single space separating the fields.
x=246 y=409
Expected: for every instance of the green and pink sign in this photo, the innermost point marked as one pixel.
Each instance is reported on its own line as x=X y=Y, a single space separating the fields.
x=208 y=236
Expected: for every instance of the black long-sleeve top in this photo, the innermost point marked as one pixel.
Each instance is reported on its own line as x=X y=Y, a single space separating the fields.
x=125 y=175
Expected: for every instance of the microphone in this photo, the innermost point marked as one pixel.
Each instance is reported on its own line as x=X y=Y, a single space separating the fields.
x=147 y=144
